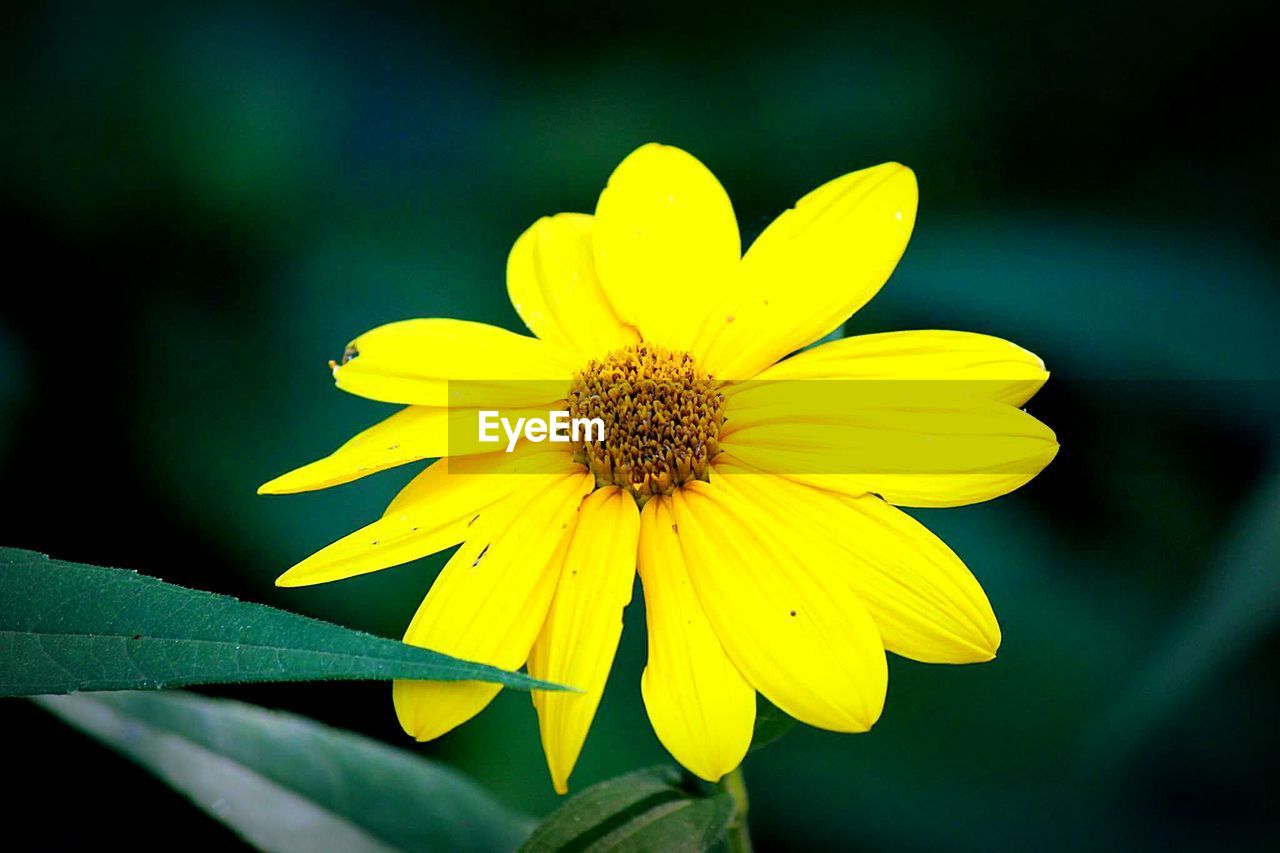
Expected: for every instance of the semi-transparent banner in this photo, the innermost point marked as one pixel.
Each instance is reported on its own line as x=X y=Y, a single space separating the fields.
x=906 y=427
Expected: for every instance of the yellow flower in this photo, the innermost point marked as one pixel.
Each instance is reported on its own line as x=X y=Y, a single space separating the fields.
x=765 y=566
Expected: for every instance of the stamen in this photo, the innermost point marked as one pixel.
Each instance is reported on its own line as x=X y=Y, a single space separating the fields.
x=662 y=417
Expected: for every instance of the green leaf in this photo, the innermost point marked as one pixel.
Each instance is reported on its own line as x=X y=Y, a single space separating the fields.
x=286 y=783
x=771 y=724
x=653 y=809
x=66 y=627
x=971 y=272
x=1238 y=607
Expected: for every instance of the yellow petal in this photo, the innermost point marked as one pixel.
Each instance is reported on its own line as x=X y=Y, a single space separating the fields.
x=580 y=636
x=811 y=268
x=489 y=603
x=963 y=363
x=433 y=512
x=413 y=433
x=552 y=282
x=789 y=623
x=701 y=707
x=926 y=603
x=945 y=453
x=666 y=243
x=414 y=361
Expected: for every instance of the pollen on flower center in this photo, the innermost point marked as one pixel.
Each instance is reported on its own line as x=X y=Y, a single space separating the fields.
x=662 y=417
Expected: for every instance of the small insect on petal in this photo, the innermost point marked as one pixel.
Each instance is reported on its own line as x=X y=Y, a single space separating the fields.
x=347 y=354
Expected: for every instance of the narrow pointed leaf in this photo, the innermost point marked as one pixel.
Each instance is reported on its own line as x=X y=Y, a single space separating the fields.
x=652 y=809
x=66 y=627
x=286 y=783
x=1238 y=608
x=771 y=723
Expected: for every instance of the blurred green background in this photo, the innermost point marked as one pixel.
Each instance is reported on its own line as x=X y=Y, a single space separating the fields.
x=203 y=202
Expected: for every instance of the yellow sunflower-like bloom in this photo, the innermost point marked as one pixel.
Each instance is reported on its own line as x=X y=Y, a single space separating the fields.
x=765 y=566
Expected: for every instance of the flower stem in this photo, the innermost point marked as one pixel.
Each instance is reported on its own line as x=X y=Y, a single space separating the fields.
x=738 y=838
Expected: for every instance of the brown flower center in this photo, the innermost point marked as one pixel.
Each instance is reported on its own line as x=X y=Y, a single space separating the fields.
x=662 y=418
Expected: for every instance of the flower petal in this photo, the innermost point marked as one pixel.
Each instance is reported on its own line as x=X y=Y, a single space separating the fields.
x=972 y=365
x=580 y=636
x=943 y=453
x=435 y=511
x=414 y=361
x=789 y=623
x=413 y=433
x=666 y=243
x=701 y=707
x=925 y=602
x=813 y=267
x=489 y=603
x=552 y=282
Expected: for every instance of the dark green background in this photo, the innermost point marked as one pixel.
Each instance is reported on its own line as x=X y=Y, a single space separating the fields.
x=203 y=203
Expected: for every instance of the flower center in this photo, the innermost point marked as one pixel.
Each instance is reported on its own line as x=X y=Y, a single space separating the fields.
x=662 y=418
